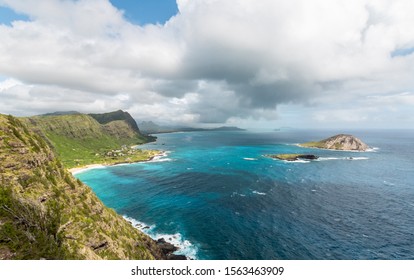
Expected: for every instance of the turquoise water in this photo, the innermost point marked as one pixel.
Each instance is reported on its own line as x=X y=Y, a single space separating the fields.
x=217 y=197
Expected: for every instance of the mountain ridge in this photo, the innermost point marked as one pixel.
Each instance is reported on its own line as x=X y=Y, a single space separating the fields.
x=82 y=139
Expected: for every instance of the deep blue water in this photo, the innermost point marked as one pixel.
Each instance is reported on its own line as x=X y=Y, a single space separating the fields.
x=219 y=198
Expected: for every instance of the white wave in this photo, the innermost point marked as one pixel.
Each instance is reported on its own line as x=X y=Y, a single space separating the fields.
x=358 y=158
x=341 y=158
x=161 y=157
x=388 y=184
x=185 y=246
x=259 y=193
x=373 y=149
x=247 y=158
x=161 y=160
x=298 y=161
x=237 y=194
x=138 y=224
x=328 y=158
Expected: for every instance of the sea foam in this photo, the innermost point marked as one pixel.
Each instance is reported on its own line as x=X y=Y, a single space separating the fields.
x=185 y=246
x=259 y=193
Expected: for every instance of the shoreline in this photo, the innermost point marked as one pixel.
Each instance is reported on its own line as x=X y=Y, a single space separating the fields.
x=370 y=149
x=168 y=248
x=80 y=169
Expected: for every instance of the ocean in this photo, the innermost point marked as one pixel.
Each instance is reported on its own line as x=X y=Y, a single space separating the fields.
x=216 y=196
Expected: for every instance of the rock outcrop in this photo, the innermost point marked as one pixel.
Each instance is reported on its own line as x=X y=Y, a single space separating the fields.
x=343 y=142
x=293 y=157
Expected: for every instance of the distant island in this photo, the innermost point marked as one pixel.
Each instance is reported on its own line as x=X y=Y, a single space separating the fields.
x=343 y=142
x=149 y=127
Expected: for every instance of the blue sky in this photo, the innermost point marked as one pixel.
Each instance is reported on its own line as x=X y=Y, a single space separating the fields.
x=136 y=11
x=7 y=16
x=147 y=11
x=298 y=63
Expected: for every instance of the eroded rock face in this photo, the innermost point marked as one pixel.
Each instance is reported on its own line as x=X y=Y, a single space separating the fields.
x=345 y=142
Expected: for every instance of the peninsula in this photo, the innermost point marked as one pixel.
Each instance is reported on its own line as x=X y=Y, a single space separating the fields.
x=85 y=139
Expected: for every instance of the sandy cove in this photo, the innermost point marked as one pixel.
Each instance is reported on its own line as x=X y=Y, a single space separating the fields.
x=80 y=169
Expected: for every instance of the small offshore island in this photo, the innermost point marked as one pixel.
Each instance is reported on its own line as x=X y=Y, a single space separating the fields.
x=341 y=142
x=292 y=157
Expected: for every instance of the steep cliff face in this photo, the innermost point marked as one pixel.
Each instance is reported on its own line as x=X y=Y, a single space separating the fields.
x=344 y=142
x=47 y=213
x=80 y=139
x=119 y=115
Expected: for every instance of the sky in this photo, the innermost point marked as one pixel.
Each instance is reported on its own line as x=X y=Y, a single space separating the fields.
x=254 y=64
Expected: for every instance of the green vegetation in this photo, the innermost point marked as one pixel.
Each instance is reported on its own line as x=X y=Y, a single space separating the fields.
x=318 y=144
x=45 y=213
x=29 y=231
x=81 y=140
x=116 y=116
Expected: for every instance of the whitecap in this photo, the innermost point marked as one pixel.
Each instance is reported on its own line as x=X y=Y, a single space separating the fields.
x=259 y=193
x=328 y=158
x=358 y=158
x=341 y=158
x=185 y=246
x=388 y=184
x=237 y=194
x=298 y=161
x=247 y=158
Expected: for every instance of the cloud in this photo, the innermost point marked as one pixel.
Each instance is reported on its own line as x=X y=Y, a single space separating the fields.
x=215 y=61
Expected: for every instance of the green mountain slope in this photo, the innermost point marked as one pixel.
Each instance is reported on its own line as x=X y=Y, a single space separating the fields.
x=46 y=213
x=119 y=115
x=81 y=139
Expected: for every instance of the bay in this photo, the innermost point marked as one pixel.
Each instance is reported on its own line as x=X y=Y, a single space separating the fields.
x=216 y=196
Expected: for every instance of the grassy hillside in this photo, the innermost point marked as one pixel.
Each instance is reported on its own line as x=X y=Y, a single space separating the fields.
x=80 y=139
x=45 y=213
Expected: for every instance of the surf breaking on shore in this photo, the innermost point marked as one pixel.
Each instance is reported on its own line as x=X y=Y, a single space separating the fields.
x=185 y=247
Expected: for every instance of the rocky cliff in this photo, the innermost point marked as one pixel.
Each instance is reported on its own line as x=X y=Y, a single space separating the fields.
x=344 y=142
x=81 y=139
x=45 y=213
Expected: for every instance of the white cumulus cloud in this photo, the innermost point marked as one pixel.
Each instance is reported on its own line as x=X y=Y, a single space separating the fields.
x=215 y=61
